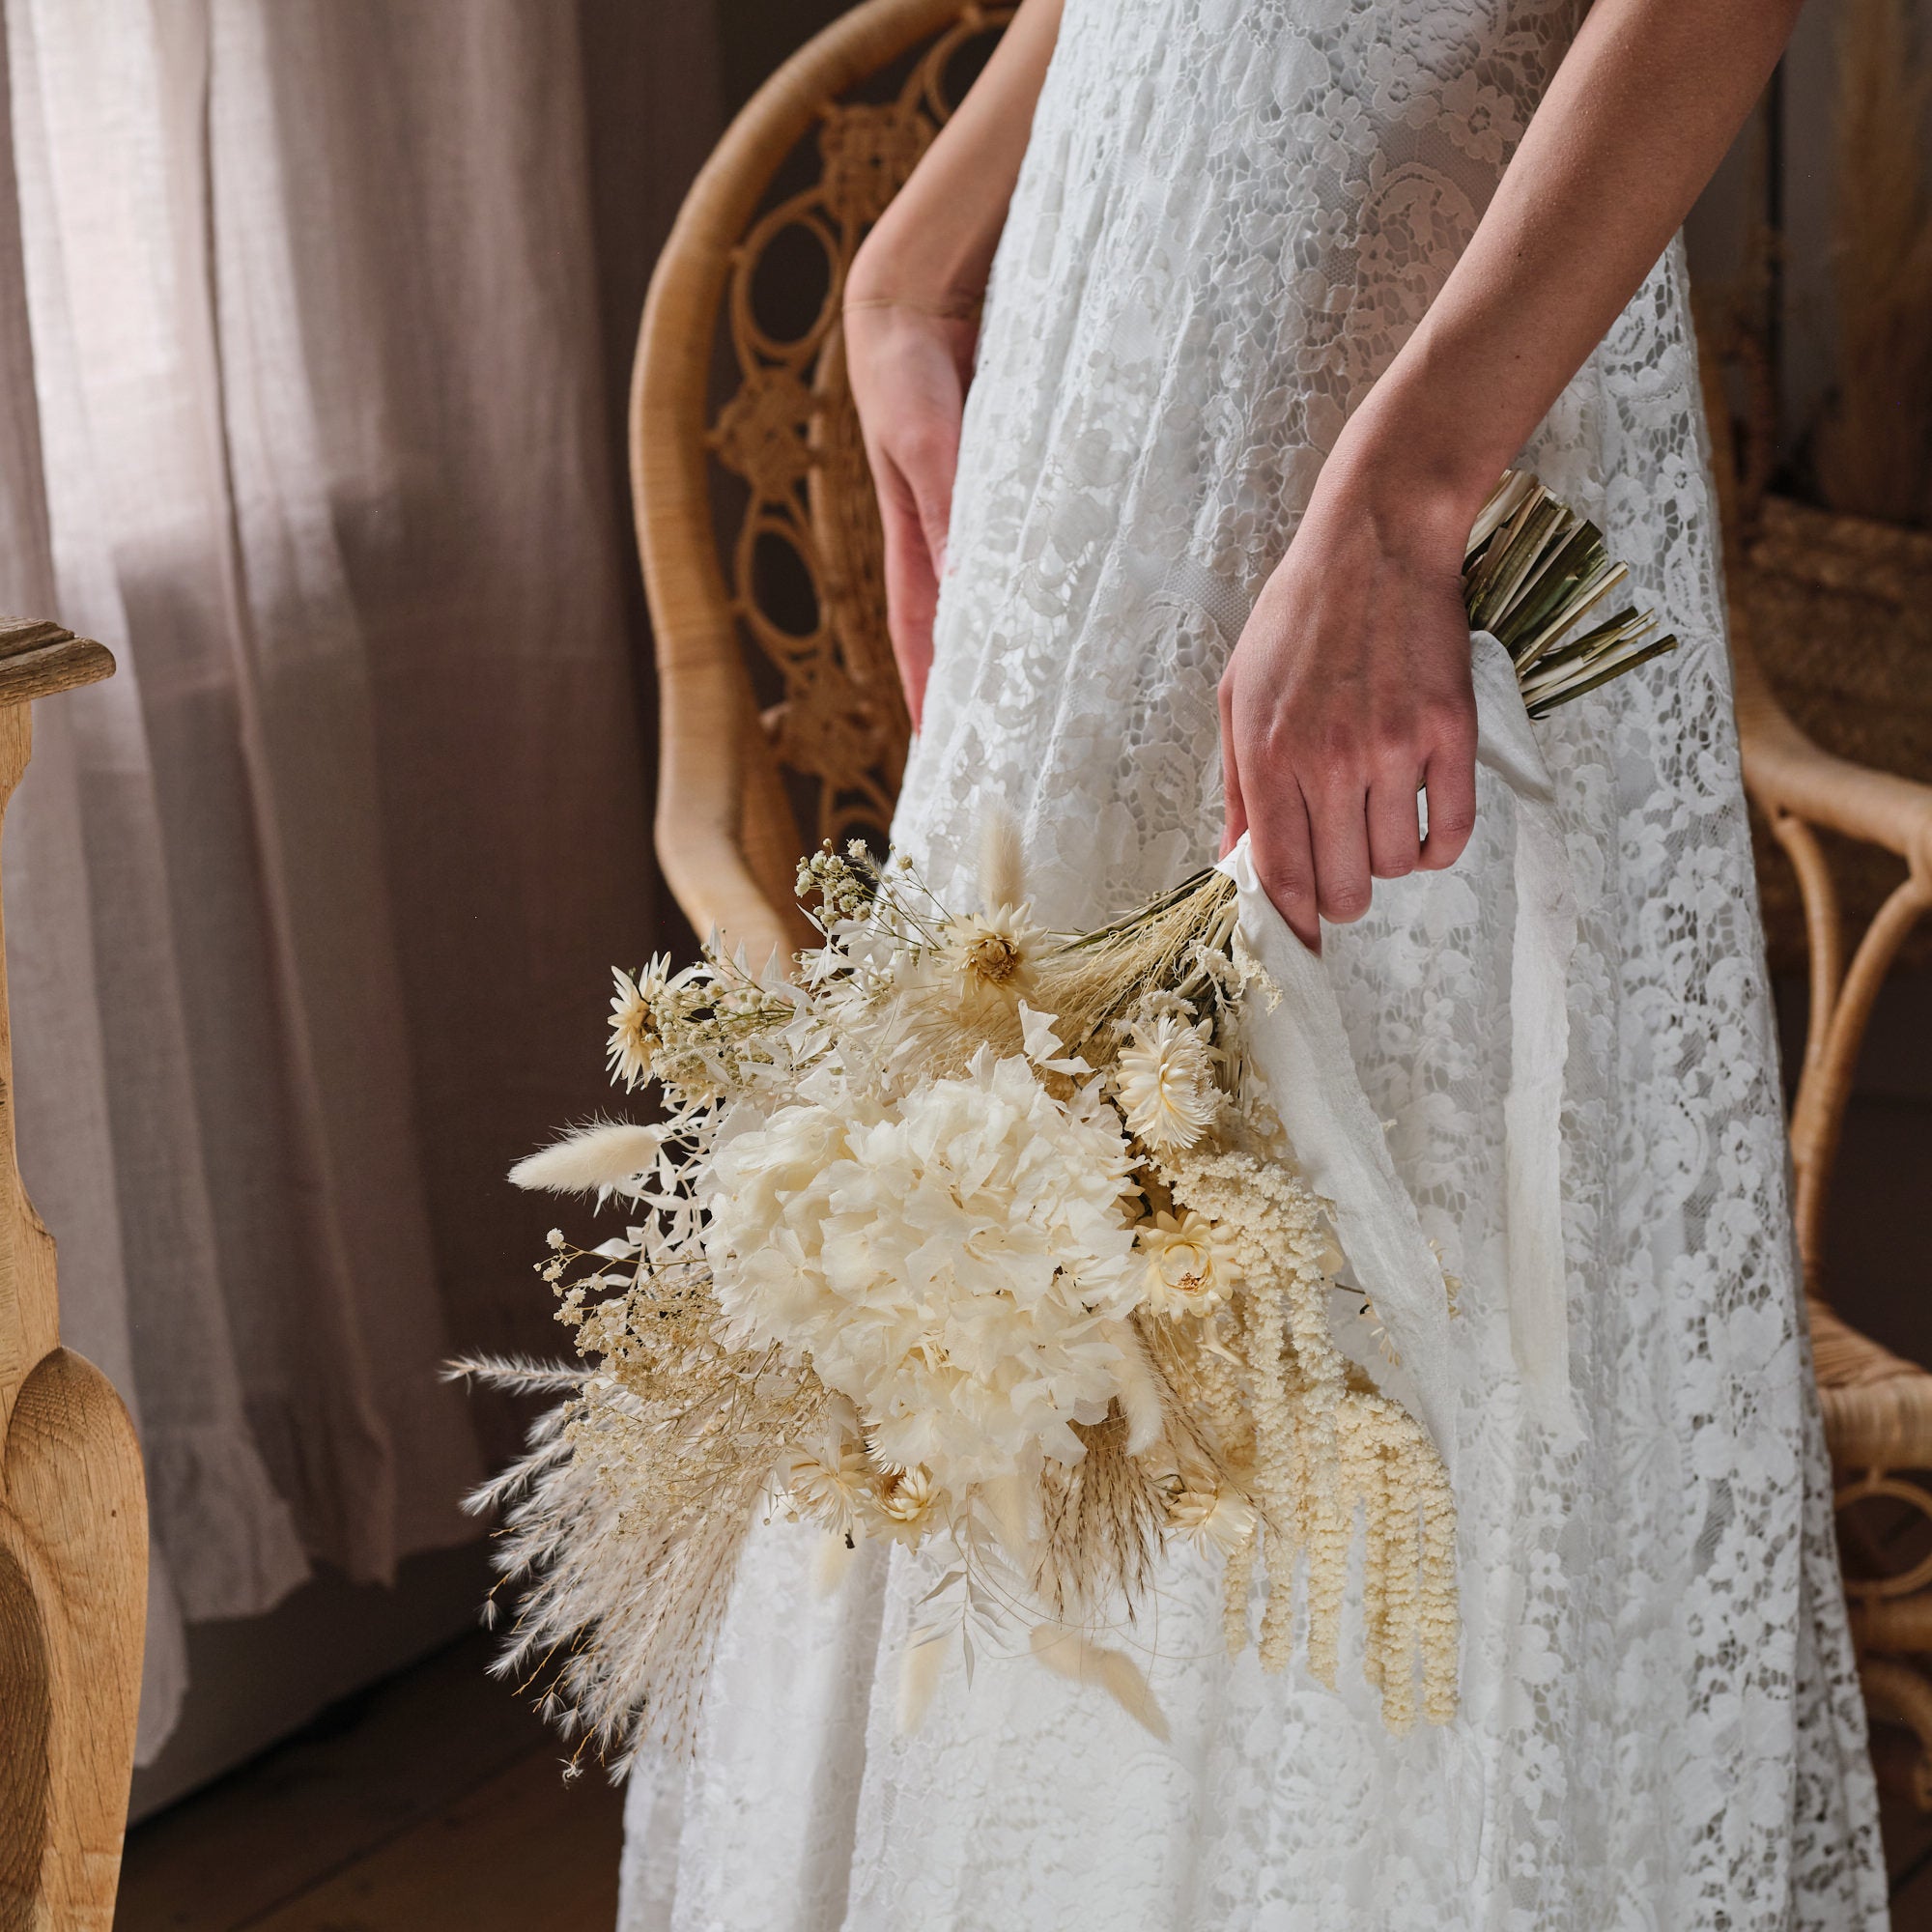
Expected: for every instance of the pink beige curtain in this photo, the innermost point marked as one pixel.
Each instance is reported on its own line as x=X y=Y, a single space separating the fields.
x=304 y=411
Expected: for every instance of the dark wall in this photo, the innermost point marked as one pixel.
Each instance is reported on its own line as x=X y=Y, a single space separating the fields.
x=753 y=36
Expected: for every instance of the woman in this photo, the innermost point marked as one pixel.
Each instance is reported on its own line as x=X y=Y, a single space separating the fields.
x=1277 y=288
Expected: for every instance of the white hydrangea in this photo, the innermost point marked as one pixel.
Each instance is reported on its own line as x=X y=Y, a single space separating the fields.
x=954 y=1261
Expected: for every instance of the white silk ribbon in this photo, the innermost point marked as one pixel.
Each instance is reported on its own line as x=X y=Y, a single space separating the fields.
x=1302 y=1052
x=1542 y=948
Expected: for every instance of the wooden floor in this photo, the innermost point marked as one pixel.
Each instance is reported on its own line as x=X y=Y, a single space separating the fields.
x=436 y=1803
x=433 y=1802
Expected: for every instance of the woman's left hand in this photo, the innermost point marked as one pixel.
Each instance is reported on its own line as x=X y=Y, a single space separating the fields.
x=1349 y=692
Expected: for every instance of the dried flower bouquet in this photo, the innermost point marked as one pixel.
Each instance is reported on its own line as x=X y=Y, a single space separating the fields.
x=973 y=1235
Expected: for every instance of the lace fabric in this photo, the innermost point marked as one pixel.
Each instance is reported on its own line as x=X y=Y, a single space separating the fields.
x=1231 y=215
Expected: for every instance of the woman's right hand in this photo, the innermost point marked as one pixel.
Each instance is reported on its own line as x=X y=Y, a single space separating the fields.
x=909 y=366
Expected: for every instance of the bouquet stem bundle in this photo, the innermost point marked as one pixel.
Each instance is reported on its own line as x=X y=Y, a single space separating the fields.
x=1533 y=571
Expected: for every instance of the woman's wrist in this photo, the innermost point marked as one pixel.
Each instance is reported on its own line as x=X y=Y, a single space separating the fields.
x=943 y=308
x=917 y=266
x=1412 y=502
x=1425 y=448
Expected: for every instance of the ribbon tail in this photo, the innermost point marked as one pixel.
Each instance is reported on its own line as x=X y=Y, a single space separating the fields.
x=1543 y=946
x=1298 y=1043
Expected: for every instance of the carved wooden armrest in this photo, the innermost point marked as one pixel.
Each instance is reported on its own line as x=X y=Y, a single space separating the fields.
x=74 y=1519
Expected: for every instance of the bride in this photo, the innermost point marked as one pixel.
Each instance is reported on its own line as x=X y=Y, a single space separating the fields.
x=1273 y=290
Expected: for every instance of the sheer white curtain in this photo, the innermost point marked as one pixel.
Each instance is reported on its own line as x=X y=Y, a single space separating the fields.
x=308 y=910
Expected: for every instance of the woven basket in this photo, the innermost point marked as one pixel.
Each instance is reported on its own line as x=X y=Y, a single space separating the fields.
x=1841 y=610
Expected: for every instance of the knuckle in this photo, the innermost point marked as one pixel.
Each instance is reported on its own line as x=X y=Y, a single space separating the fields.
x=1450 y=723
x=1398 y=752
x=920 y=447
x=1336 y=748
x=1345 y=904
x=1287 y=883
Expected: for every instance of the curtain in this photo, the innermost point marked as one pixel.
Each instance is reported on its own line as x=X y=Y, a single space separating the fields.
x=310 y=908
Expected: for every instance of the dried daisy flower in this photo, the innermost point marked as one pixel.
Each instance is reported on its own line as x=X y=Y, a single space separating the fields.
x=1191 y=1265
x=636 y=1030
x=1165 y=1081
x=904 y=1510
x=1213 y=1518
x=832 y=1488
x=991 y=953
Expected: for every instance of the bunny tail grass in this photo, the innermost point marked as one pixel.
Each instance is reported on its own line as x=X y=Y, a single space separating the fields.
x=600 y=1154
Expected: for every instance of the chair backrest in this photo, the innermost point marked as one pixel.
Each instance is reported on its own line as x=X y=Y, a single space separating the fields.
x=782 y=720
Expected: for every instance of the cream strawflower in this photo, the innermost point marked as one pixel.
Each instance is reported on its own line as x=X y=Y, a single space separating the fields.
x=1165 y=1081
x=634 y=1032
x=904 y=1511
x=1190 y=1263
x=992 y=952
x=1213 y=1517
x=952 y=1260
x=833 y=1488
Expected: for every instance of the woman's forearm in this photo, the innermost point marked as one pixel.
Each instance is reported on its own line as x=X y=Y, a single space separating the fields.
x=1636 y=118
x=935 y=242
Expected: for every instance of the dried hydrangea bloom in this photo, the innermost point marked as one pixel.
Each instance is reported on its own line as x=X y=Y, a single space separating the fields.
x=952 y=1262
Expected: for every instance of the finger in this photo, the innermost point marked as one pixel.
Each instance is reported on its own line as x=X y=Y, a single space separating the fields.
x=1450 y=781
x=1395 y=832
x=927 y=455
x=1233 y=814
x=1279 y=836
x=1339 y=827
x=911 y=588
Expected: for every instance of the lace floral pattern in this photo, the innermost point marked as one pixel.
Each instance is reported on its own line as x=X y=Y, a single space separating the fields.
x=1231 y=215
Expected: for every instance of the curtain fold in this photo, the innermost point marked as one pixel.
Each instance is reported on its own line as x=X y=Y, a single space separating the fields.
x=310 y=908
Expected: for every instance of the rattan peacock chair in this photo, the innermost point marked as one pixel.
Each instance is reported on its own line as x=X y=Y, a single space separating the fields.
x=781 y=722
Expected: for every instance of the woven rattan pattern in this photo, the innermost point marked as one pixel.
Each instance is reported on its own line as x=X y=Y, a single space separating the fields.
x=1840 y=609
x=788 y=430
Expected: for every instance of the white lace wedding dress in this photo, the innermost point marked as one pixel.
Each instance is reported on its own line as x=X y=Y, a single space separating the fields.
x=1231 y=212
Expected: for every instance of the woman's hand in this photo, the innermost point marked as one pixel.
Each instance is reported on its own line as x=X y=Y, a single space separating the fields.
x=1348 y=691
x=912 y=304
x=1351 y=683
x=909 y=366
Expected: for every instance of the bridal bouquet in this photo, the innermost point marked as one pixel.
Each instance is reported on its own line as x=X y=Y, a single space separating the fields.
x=977 y=1235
